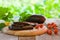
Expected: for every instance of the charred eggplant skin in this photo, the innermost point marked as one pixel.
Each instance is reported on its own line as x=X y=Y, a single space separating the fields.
x=21 y=26
x=36 y=19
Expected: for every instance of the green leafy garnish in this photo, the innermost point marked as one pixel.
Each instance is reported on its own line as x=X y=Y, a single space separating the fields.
x=2 y=25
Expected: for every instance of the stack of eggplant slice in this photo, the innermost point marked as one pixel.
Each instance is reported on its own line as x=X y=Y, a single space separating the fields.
x=21 y=26
x=29 y=24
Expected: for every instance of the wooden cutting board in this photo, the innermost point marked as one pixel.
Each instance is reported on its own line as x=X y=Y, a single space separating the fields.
x=32 y=32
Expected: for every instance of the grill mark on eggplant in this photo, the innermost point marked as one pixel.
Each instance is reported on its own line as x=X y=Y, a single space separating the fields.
x=21 y=26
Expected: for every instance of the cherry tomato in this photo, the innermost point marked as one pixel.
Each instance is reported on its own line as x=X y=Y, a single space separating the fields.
x=56 y=31
x=52 y=23
x=49 y=26
x=41 y=25
x=49 y=32
x=55 y=27
x=36 y=27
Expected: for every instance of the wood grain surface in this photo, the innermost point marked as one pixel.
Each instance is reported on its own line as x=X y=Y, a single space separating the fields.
x=7 y=37
x=48 y=37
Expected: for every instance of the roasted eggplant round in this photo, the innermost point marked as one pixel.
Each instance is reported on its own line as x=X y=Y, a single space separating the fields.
x=36 y=19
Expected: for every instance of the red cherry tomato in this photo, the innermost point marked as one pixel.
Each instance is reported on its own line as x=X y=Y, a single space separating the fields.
x=41 y=25
x=48 y=24
x=56 y=31
x=49 y=32
x=36 y=26
x=52 y=23
x=55 y=27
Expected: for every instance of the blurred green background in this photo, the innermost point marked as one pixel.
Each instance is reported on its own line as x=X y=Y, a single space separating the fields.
x=19 y=10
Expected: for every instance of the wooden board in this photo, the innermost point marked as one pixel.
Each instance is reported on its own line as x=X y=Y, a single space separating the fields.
x=24 y=32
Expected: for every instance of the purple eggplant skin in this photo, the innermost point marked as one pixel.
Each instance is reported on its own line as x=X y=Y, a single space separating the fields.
x=36 y=19
x=21 y=26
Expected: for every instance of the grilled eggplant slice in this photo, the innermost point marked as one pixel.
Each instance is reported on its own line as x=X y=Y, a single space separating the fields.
x=36 y=19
